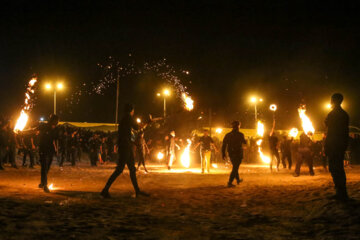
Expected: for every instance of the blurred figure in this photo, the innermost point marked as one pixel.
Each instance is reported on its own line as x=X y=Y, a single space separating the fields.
x=285 y=149
x=337 y=123
x=170 y=148
x=304 y=154
x=141 y=150
x=274 y=151
x=29 y=149
x=205 y=142
x=2 y=142
x=233 y=142
x=94 y=148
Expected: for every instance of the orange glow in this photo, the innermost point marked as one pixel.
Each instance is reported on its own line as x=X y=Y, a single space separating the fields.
x=185 y=157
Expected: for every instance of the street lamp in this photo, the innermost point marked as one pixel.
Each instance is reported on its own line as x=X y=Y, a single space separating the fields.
x=58 y=87
x=165 y=93
x=255 y=100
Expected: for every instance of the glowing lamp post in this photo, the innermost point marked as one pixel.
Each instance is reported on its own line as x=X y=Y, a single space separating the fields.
x=255 y=101
x=58 y=87
x=165 y=94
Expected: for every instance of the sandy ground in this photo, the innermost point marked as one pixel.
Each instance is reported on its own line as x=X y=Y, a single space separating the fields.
x=183 y=205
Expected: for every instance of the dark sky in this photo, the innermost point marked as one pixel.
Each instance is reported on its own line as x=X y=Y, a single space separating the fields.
x=285 y=51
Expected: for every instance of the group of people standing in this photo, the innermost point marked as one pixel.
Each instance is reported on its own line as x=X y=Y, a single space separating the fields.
x=47 y=140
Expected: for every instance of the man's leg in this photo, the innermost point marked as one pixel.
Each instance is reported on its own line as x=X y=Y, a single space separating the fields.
x=289 y=158
x=276 y=153
x=236 y=163
x=203 y=160
x=299 y=160
x=208 y=157
x=130 y=162
x=336 y=168
x=310 y=162
x=43 y=169
x=24 y=157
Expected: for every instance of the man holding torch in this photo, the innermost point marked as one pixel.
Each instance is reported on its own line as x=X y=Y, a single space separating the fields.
x=233 y=142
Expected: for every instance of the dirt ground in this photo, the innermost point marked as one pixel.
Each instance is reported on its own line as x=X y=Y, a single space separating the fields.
x=184 y=204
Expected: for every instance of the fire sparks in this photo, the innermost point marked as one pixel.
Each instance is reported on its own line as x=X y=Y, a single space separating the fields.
x=260 y=133
x=189 y=103
x=305 y=121
x=219 y=130
x=214 y=165
x=51 y=187
x=185 y=157
x=293 y=132
x=24 y=117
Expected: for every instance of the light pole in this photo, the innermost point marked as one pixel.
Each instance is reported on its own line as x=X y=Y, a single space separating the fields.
x=58 y=87
x=255 y=100
x=165 y=94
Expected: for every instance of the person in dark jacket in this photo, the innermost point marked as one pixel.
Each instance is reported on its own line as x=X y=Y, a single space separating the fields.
x=233 y=142
x=126 y=154
x=336 y=142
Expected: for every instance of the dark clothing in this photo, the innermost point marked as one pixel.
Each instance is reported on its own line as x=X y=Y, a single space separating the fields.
x=94 y=147
x=235 y=170
x=205 y=143
x=126 y=153
x=233 y=142
x=285 y=148
x=46 y=159
x=125 y=134
x=337 y=123
x=47 y=136
x=304 y=154
x=336 y=142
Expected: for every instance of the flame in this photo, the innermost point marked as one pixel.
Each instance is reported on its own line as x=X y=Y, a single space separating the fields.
x=160 y=156
x=263 y=157
x=260 y=129
x=189 y=103
x=260 y=132
x=305 y=120
x=185 y=157
x=21 y=121
x=51 y=187
x=24 y=117
x=214 y=165
x=293 y=132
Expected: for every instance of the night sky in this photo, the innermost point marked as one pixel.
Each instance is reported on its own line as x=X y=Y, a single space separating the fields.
x=287 y=52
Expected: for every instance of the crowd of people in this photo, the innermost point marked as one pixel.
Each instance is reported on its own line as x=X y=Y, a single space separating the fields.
x=129 y=144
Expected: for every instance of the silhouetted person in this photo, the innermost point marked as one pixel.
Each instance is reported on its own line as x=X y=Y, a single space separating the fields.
x=233 y=142
x=337 y=123
x=304 y=154
x=47 y=147
x=274 y=152
x=126 y=154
